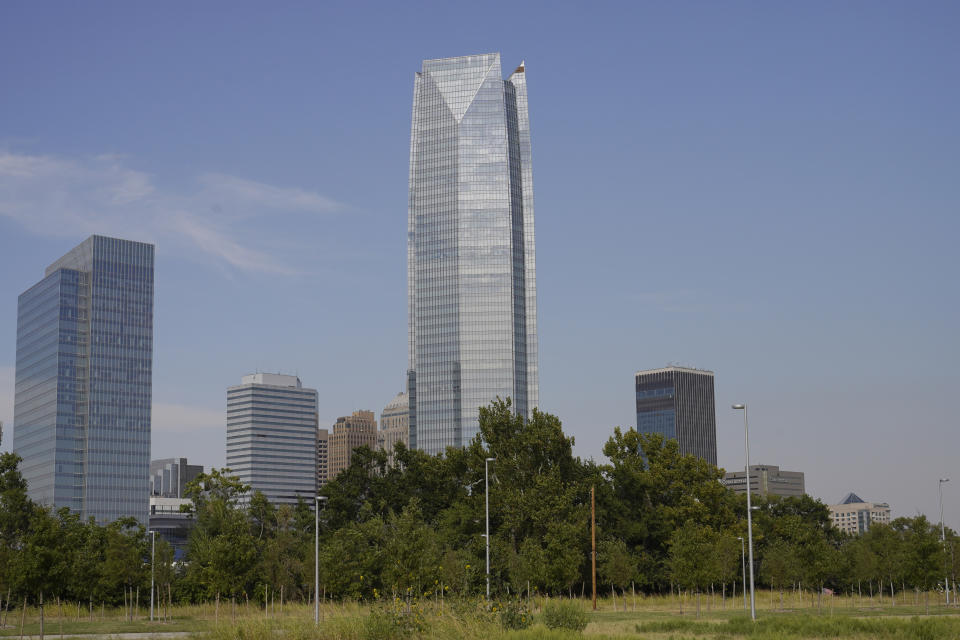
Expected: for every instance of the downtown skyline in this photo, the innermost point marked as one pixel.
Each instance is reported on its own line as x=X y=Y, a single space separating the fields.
x=774 y=210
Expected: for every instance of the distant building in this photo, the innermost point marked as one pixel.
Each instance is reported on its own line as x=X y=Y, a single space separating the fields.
x=81 y=417
x=766 y=480
x=854 y=515
x=272 y=436
x=350 y=432
x=171 y=523
x=678 y=403
x=323 y=457
x=394 y=425
x=169 y=476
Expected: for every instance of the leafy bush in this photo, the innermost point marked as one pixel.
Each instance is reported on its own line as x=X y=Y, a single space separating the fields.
x=513 y=614
x=564 y=614
x=395 y=621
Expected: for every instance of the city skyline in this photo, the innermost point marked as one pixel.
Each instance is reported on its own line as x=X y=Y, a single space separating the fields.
x=471 y=255
x=771 y=198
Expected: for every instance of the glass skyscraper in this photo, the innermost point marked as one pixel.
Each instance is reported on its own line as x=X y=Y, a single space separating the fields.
x=678 y=403
x=471 y=257
x=84 y=379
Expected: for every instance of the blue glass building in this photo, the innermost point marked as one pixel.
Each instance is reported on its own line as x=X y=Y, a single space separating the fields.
x=678 y=403
x=84 y=378
x=471 y=256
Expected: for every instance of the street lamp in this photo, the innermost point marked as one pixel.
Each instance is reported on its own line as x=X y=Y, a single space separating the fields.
x=943 y=539
x=746 y=440
x=153 y=560
x=316 y=560
x=486 y=491
x=743 y=562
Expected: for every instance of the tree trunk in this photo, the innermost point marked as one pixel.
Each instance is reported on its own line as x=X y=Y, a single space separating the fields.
x=723 y=597
x=698 y=603
x=893 y=597
x=137 y=614
x=23 y=617
x=633 y=590
x=41 y=615
x=820 y=600
x=216 y=611
x=781 y=598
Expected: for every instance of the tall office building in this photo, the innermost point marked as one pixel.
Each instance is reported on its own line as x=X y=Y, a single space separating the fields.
x=350 y=432
x=678 y=403
x=394 y=425
x=83 y=380
x=272 y=436
x=323 y=457
x=470 y=249
x=169 y=476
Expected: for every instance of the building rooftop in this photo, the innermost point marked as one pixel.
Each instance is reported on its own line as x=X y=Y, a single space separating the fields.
x=675 y=368
x=274 y=379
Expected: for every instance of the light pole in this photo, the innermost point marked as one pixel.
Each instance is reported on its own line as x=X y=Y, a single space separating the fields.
x=746 y=440
x=316 y=560
x=943 y=539
x=743 y=562
x=486 y=491
x=153 y=564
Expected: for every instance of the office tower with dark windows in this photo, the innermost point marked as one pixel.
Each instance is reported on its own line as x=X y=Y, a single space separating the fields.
x=84 y=378
x=471 y=258
x=678 y=403
x=272 y=436
x=323 y=457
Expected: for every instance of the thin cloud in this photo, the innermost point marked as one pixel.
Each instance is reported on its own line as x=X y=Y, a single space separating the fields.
x=61 y=196
x=177 y=418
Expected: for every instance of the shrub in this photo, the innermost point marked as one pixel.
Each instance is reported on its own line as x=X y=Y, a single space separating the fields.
x=564 y=614
x=513 y=614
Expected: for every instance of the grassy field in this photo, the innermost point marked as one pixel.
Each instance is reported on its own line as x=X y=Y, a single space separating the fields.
x=802 y=617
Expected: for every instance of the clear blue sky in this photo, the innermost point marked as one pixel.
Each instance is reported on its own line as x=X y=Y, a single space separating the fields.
x=766 y=190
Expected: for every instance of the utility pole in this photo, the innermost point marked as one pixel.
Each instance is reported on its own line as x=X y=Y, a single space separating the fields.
x=153 y=565
x=593 y=545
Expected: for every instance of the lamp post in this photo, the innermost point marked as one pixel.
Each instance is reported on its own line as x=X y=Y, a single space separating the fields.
x=316 y=560
x=153 y=564
x=486 y=491
x=943 y=539
x=743 y=573
x=746 y=440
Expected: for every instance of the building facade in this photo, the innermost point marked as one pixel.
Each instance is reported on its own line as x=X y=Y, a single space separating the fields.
x=854 y=515
x=470 y=250
x=323 y=457
x=394 y=425
x=83 y=390
x=678 y=403
x=356 y=430
x=170 y=523
x=272 y=436
x=766 y=480
x=169 y=476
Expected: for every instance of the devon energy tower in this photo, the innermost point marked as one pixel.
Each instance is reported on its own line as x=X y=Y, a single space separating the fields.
x=471 y=257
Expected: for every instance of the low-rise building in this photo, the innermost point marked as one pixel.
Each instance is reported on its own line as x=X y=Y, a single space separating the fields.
x=854 y=515
x=170 y=523
x=766 y=480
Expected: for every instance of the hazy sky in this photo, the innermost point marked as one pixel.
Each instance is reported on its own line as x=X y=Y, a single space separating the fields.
x=765 y=190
